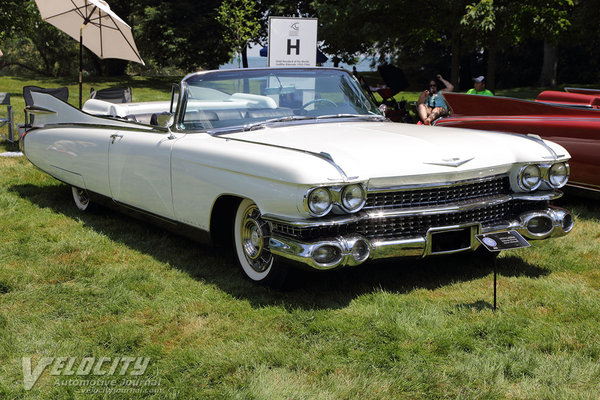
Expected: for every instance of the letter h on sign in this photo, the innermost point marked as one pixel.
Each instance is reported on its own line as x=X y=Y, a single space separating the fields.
x=290 y=46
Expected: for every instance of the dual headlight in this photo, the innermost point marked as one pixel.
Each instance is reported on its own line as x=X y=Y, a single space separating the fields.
x=533 y=175
x=350 y=198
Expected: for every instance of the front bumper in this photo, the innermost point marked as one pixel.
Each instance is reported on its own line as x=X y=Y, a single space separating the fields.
x=352 y=249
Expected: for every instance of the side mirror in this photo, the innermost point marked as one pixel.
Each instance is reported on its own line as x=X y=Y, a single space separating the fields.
x=165 y=119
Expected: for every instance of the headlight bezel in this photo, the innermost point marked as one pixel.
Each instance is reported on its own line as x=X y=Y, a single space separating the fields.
x=310 y=195
x=565 y=177
x=522 y=184
x=545 y=182
x=337 y=203
x=363 y=197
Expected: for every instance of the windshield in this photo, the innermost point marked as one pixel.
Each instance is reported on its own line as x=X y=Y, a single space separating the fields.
x=241 y=98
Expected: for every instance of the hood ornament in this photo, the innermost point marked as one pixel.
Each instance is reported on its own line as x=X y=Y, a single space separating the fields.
x=450 y=161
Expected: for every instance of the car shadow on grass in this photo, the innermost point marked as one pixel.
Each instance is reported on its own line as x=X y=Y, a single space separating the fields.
x=305 y=289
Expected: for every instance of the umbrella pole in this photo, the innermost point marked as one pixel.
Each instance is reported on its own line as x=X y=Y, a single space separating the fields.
x=80 y=61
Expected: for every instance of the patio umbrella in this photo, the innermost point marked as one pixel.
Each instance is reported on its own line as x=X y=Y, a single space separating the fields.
x=95 y=25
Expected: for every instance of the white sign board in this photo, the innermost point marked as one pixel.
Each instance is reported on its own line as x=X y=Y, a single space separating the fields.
x=292 y=42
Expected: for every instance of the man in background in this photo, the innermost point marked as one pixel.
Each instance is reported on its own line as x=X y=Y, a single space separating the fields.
x=479 y=87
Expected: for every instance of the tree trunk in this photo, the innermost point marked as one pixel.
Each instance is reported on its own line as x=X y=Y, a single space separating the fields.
x=245 y=56
x=549 y=65
x=490 y=79
x=455 y=63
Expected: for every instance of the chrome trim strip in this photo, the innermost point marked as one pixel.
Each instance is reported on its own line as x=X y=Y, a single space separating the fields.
x=34 y=109
x=539 y=140
x=323 y=156
x=436 y=185
x=450 y=208
x=547 y=196
x=576 y=89
x=127 y=126
x=386 y=213
x=578 y=185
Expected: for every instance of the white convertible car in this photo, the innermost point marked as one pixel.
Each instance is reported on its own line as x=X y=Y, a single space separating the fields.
x=298 y=166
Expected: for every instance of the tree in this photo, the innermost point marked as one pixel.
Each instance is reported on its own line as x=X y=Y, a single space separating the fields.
x=241 y=23
x=499 y=24
x=32 y=43
x=182 y=34
x=579 y=47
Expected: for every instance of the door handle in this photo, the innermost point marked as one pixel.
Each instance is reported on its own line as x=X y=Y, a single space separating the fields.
x=114 y=136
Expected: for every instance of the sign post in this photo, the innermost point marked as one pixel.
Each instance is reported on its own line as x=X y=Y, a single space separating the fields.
x=292 y=42
x=496 y=242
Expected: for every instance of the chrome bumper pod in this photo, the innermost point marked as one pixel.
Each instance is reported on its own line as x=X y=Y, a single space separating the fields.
x=353 y=249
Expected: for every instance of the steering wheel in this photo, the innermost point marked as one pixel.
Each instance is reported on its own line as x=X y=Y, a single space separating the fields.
x=318 y=101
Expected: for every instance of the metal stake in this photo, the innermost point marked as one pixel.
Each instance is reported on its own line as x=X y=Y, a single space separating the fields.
x=495 y=282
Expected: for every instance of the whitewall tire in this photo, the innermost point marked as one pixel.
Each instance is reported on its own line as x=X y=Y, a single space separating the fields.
x=81 y=199
x=251 y=246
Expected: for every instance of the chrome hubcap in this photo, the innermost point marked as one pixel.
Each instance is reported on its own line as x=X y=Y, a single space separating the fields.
x=255 y=235
x=82 y=197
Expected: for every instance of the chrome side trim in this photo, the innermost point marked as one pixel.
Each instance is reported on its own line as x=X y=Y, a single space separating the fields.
x=539 y=140
x=386 y=213
x=123 y=125
x=323 y=156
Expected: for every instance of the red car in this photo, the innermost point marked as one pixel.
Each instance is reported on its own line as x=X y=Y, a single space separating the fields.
x=575 y=124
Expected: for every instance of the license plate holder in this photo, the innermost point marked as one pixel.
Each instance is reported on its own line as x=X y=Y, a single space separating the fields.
x=450 y=240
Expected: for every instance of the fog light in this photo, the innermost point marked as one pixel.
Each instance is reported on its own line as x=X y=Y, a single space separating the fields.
x=360 y=250
x=539 y=225
x=327 y=254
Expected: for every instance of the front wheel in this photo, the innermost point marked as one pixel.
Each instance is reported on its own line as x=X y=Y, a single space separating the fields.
x=82 y=200
x=251 y=247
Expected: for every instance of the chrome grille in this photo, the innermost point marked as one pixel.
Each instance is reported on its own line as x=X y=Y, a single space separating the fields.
x=409 y=226
x=440 y=195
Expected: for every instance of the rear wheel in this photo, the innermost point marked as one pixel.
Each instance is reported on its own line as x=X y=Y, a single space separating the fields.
x=251 y=247
x=82 y=200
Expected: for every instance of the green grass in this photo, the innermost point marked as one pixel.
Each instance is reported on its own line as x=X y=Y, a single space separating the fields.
x=104 y=284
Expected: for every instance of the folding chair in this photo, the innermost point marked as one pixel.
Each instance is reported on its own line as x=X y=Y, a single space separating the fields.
x=9 y=120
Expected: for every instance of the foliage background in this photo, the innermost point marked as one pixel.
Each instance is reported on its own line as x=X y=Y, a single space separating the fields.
x=513 y=43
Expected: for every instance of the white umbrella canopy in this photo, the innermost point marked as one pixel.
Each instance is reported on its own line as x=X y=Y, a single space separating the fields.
x=95 y=26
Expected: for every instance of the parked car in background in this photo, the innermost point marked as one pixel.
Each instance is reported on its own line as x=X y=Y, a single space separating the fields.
x=298 y=166
x=574 y=125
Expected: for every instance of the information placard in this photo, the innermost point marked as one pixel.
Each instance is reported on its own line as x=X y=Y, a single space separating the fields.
x=503 y=241
x=292 y=42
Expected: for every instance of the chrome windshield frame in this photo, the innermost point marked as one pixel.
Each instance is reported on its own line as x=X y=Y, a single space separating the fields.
x=184 y=96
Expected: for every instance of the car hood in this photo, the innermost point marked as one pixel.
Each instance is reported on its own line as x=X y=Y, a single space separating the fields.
x=381 y=150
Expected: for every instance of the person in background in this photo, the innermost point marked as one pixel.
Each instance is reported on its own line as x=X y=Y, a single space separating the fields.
x=1 y=53
x=479 y=87
x=354 y=71
x=431 y=105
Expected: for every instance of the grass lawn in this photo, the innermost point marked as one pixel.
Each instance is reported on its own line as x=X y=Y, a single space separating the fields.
x=105 y=285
